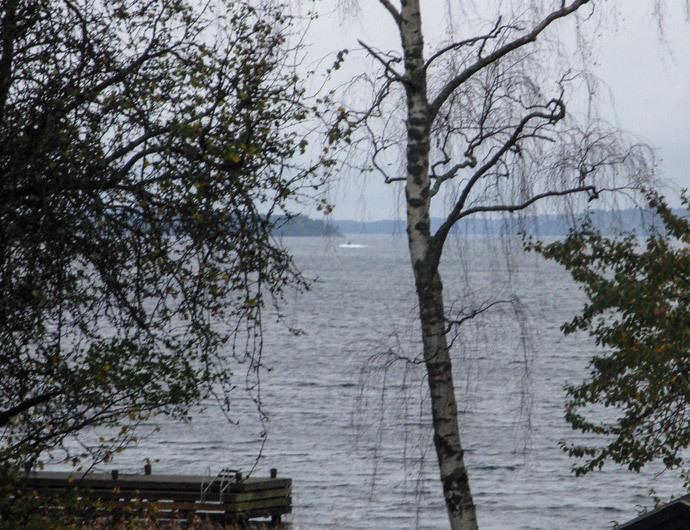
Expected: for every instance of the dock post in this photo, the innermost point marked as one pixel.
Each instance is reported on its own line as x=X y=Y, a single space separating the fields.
x=275 y=520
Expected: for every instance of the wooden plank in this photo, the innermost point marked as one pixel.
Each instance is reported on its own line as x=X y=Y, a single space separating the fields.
x=254 y=484
x=254 y=495
x=201 y=506
x=262 y=512
x=185 y=509
x=104 y=480
x=132 y=511
x=240 y=502
x=239 y=517
x=227 y=508
x=114 y=493
x=143 y=482
x=260 y=504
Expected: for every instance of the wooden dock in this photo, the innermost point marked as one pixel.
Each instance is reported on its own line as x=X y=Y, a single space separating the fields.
x=224 y=498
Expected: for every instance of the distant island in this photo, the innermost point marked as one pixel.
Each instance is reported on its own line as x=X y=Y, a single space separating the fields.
x=303 y=226
x=641 y=221
x=606 y=221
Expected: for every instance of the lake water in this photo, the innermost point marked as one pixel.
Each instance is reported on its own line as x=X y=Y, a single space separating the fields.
x=351 y=426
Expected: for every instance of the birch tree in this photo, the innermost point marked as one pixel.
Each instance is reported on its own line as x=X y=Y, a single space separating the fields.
x=487 y=131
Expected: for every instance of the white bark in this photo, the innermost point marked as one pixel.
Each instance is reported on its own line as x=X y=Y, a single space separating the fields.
x=487 y=146
x=456 y=489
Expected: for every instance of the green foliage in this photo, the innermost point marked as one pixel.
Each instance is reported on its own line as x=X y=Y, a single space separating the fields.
x=145 y=148
x=637 y=393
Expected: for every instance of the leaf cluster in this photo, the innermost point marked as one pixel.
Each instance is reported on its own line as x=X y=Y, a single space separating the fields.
x=638 y=310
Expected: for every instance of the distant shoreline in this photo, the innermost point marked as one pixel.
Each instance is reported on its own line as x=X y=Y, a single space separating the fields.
x=640 y=221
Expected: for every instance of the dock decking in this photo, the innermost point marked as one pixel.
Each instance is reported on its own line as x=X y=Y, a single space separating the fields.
x=224 y=498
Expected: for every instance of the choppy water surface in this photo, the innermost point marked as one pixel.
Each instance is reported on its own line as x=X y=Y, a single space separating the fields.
x=346 y=422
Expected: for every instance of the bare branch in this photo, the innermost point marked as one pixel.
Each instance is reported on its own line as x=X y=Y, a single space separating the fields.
x=557 y=114
x=386 y=64
x=376 y=104
x=440 y=179
x=482 y=63
x=475 y=312
x=392 y=10
x=516 y=207
x=495 y=32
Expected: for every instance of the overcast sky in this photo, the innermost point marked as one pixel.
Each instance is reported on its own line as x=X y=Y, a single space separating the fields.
x=650 y=82
x=648 y=79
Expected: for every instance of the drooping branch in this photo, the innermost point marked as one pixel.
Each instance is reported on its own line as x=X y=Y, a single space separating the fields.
x=592 y=190
x=379 y=142
x=466 y=316
x=494 y=33
x=483 y=62
x=555 y=115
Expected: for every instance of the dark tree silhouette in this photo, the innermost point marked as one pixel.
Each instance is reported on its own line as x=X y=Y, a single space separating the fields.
x=145 y=147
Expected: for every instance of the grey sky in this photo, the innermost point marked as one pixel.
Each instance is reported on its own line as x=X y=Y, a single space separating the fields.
x=649 y=81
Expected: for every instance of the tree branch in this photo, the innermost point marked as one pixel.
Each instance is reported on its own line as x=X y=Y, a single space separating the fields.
x=391 y=9
x=467 y=42
x=475 y=312
x=130 y=146
x=482 y=63
x=516 y=207
x=386 y=64
x=557 y=114
x=440 y=179
x=7 y=415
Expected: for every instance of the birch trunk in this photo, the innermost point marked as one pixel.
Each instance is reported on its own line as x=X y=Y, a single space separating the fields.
x=449 y=452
